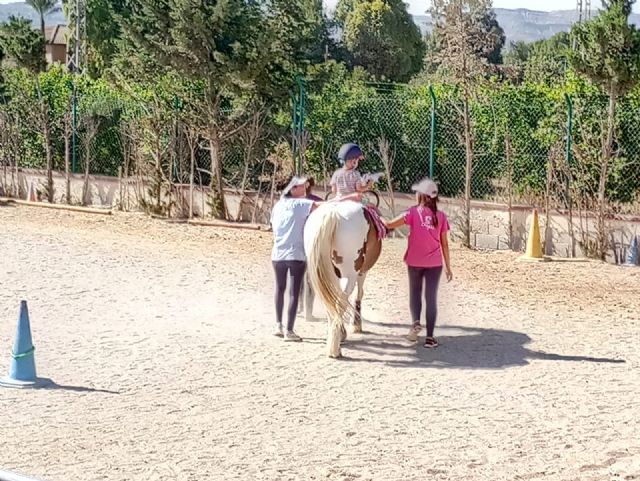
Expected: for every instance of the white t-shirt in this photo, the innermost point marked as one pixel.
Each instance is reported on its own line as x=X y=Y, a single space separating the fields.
x=346 y=181
x=287 y=221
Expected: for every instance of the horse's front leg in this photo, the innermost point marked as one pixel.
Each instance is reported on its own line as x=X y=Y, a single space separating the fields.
x=357 y=315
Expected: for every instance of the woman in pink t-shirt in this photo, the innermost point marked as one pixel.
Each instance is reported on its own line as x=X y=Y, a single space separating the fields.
x=426 y=249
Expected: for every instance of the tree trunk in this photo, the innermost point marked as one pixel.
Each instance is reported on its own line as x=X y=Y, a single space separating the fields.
x=468 y=141
x=245 y=176
x=192 y=170
x=157 y=179
x=44 y=117
x=218 y=204
x=44 y=47
x=607 y=155
x=67 y=174
x=508 y=155
x=86 y=194
x=547 y=243
x=49 y=156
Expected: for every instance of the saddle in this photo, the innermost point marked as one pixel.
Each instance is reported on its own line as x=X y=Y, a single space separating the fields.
x=372 y=214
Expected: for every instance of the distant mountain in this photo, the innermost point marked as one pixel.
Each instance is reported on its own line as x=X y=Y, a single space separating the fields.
x=527 y=25
x=518 y=24
x=21 y=9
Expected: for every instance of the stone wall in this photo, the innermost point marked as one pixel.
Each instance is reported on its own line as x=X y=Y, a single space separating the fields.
x=491 y=228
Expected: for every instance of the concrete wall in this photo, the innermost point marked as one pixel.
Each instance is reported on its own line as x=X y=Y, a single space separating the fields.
x=56 y=53
x=126 y=194
x=489 y=221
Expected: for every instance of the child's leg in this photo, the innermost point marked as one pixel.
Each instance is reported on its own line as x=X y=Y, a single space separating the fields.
x=415 y=293
x=432 y=279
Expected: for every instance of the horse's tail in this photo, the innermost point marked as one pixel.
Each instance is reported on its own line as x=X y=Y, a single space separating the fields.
x=322 y=275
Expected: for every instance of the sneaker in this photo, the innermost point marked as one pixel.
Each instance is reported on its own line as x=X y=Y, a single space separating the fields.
x=277 y=331
x=291 y=336
x=430 y=342
x=413 y=332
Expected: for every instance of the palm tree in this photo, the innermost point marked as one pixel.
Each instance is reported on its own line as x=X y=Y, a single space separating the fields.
x=43 y=8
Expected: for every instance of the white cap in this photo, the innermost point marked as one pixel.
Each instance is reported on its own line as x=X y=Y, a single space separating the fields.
x=427 y=187
x=295 y=181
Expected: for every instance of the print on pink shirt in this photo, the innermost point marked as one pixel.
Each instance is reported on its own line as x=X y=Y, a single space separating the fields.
x=424 y=247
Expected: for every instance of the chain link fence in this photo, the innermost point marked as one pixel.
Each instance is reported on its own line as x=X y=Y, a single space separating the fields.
x=527 y=144
x=392 y=125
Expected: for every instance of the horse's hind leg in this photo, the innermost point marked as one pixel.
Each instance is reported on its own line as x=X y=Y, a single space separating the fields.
x=333 y=339
x=306 y=298
x=357 y=315
x=309 y=297
x=303 y=287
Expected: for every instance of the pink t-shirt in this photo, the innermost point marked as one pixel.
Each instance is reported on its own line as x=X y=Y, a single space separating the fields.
x=424 y=248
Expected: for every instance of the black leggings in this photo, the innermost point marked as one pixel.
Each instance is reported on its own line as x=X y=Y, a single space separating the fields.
x=427 y=279
x=296 y=270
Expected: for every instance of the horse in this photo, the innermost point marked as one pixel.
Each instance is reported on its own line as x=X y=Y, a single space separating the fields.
x=341 y=244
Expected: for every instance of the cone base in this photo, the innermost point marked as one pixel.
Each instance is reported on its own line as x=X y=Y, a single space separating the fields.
x=17 y=384
x=533 y=259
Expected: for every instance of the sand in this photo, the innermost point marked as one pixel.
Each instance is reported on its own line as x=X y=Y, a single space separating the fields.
x=156 y=337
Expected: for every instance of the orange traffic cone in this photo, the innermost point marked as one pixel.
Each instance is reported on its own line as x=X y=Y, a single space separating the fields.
x=32 y=195
x=534 y=246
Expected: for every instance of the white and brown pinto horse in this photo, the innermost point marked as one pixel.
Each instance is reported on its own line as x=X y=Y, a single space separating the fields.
x=341 y=244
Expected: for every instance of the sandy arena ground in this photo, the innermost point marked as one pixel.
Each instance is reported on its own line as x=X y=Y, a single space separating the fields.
x=156 y=337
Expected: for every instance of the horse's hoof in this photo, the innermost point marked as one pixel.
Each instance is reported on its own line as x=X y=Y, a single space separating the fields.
x=357 y=329
x=337 y=356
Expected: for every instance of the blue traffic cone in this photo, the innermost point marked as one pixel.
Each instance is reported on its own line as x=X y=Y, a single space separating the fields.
x=632 y=256
x=22 y=372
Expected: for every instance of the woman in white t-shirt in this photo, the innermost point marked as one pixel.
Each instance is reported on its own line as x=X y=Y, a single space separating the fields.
x=288 y=217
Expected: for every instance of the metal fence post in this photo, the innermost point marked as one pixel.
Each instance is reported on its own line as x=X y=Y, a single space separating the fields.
x=568 y=158
x=74 y=127
x=569 y=102
x=432 y=140
x=297 y=119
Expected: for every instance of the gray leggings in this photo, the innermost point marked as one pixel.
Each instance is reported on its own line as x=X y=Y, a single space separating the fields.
x=424 y=279
x=296 y=270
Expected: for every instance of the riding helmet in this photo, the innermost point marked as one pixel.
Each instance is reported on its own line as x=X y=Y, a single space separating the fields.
x=348 y=152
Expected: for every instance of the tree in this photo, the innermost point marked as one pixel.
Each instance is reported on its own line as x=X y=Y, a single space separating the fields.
x=3 y=93
x=463 y=48
x=102 y=34
x=487 y=22
x=21 y=44
x=43 y=8
x=518 y=54
x=491 y=26
x=343 y=9
x=382 y=37
x=547 y=59
x=607 y=51
x=314 y=38
x=25 y=47
x=238 y=53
